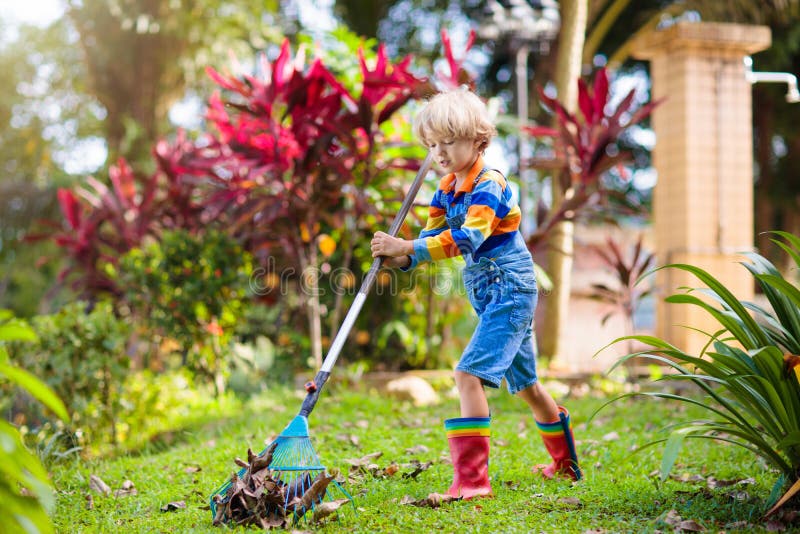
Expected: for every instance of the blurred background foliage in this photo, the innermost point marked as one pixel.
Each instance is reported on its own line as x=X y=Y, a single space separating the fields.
x=102 y=82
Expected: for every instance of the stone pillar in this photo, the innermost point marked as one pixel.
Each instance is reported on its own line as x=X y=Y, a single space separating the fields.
x=703 y=201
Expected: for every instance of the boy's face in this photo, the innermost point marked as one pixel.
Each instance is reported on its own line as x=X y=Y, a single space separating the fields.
x=455 y=155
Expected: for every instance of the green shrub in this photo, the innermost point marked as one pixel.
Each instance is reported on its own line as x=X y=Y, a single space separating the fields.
x=752 y=398
x=192 y=289
x=158 y=407
x=82 y=356
x=23 y=510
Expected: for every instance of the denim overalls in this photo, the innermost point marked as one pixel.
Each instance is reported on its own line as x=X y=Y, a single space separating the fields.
x=501 y=286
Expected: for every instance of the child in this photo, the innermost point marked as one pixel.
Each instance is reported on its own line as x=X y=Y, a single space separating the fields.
x=473 y=215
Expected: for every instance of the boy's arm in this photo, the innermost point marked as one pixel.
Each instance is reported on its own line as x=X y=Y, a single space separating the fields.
x=435 y=225
x=487 y=210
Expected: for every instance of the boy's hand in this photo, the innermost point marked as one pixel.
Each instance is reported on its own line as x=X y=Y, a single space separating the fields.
x=392 y=247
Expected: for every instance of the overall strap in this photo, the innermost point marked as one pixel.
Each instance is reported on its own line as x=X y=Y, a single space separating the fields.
x=468 y=196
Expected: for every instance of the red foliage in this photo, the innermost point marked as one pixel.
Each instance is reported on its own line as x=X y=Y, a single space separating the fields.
x=102 y=223
x=457 y=74
x=289 y=142
x=282 y=150
x=585 y=146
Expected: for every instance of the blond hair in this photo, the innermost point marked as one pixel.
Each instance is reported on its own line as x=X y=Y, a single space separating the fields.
x=457 y=114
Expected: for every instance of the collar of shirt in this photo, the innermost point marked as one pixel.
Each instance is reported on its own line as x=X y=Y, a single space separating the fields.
x=448 y=182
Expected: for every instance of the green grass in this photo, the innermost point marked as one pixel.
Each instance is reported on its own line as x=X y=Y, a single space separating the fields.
x=619 y=492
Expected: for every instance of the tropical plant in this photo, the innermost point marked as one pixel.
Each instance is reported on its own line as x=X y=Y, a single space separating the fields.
x=627 y=270
x=80 y=352
x=191 y=289
x=586 y=145
x=748 y=370
x=26 y=493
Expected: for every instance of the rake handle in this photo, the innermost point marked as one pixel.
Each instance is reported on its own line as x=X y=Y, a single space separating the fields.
x=355 y=308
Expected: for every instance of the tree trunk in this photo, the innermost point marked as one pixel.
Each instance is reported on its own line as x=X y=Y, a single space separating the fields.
x=560 y=242
x=309 y=291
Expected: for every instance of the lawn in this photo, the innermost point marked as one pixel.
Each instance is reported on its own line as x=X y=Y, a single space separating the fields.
x=715 y=486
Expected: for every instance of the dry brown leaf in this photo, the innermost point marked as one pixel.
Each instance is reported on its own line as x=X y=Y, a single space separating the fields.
x=313 y=495
x=96 y=484
x=270 y=522
x=89 y=501
x=417 y=449
x=174 y=505
x=352 y=438
x=672 y=518
x=260 y=495
x=355 y=478
x=418 y=468
x=713 y=483
x=126 y=490
x=192 y=469
x=433 y=500
x=364 y=460
x=261 y=461
x=775 y=526
x=296 y=489
x=690 y=525
x=391 y=469
x=789 y=516
x=327 y=508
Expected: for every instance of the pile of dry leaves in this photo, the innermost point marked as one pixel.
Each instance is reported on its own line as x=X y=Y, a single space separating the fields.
x=262 y=498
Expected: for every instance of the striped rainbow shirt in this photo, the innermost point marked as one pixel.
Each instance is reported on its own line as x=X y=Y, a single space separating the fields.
x=492 y=218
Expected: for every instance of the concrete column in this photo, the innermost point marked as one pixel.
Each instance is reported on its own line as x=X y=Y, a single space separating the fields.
x=703 y=201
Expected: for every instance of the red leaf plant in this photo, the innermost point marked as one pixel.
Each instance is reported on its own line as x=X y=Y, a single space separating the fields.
x=457 y=75
x=101 y=223
x=625 y=295
x=289 y=142
x=285 y=146
x=585 y=148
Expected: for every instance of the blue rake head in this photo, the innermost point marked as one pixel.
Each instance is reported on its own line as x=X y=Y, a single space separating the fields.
x=298 y=472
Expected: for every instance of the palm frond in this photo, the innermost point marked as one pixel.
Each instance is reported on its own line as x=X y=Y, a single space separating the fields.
x=741 y=375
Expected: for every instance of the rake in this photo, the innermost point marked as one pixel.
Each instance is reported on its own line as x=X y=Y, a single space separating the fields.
x=291 y=460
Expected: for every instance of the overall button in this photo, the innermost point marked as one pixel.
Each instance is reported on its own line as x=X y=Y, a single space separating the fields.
x=497 y=279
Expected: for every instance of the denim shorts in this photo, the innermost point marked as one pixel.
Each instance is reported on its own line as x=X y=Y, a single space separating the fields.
x=502 y=290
